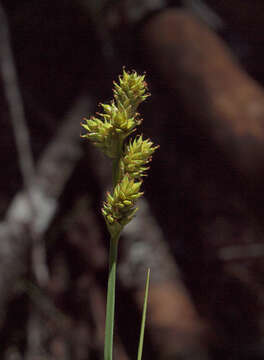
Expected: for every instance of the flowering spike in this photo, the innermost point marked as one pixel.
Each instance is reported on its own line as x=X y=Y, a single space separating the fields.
x=120 y=206
x=131 y=90
x=108 y=131
x=137 y=155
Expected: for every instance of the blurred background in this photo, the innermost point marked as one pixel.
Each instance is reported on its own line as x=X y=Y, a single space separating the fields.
x=200 y=226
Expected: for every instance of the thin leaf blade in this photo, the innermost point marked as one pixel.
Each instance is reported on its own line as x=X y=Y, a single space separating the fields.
x=143 y=321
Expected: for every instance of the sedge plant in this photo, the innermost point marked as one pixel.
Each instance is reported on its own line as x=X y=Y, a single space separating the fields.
x=110 y=130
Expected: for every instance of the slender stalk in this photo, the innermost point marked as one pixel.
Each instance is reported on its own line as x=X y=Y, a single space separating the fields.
x=116 y=171
x=110 y=305
x=115 y=168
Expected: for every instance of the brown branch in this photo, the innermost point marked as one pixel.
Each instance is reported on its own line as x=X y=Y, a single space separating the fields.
x=53 y=171
x=22 y=141
x=15 y=102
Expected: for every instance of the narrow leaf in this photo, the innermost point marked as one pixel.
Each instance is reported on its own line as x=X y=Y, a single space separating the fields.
x=143 y=321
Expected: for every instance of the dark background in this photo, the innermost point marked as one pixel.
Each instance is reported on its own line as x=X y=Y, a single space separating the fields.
x=201 y=227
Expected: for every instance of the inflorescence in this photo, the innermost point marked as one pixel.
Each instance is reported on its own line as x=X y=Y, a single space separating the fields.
x=108 y=131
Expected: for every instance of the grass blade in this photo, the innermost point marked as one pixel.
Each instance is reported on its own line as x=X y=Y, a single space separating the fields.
x=143 y=321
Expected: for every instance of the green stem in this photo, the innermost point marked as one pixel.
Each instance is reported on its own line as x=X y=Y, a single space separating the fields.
x=116 y=168
x=110 y=305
